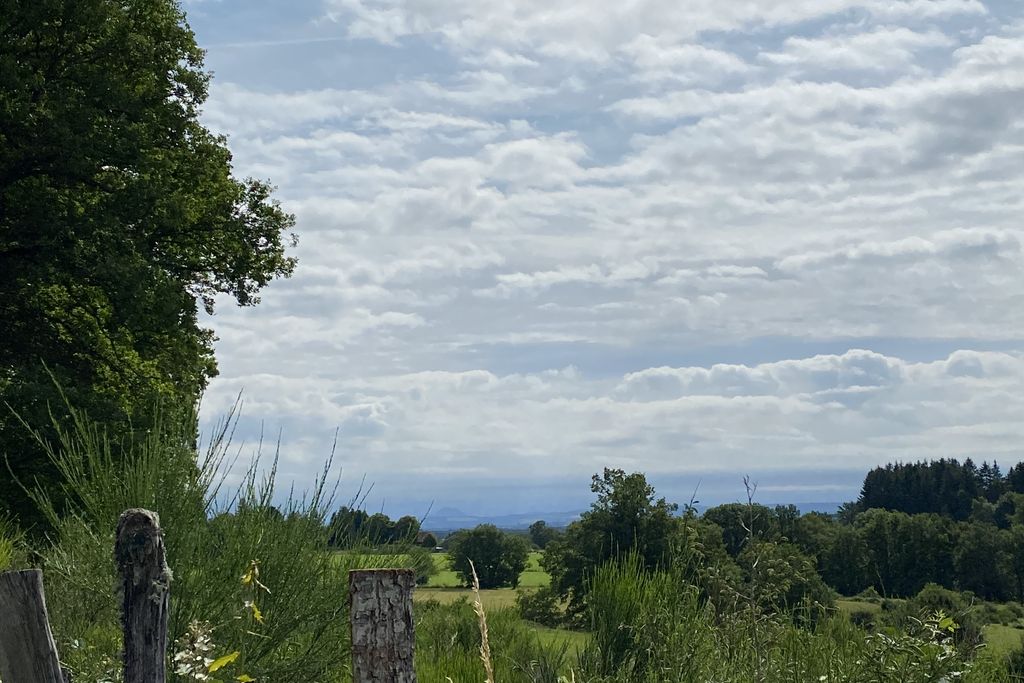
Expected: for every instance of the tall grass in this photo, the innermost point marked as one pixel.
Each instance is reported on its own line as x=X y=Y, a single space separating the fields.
x=654 y=627
x=288 y=625
x=11 y=544
x=448 y=642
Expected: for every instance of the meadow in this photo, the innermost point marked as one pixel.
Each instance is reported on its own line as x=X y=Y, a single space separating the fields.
x=680 y=623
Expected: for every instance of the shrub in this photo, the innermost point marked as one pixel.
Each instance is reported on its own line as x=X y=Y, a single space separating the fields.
x=540 y=606
x=863 y=618
x=869 y=594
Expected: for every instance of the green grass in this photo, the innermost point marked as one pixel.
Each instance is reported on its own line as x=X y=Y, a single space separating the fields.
x=577 y=640
x=1001 y=640
x=445 y=577
x=849 y=605
x=492 y=598
x=532 y=577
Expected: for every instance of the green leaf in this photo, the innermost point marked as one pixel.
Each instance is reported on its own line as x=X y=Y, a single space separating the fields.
x=221 y=662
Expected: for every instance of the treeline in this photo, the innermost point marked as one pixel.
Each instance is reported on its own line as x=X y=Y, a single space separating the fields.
x=870 y=545
x=894 y=553
x=352 y=527
x=953 y=524
x=944 y=487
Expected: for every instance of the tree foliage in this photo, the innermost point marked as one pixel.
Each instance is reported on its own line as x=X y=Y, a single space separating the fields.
x=541 y=534
x=497 y=557
x=119 y=217
x=625 y=518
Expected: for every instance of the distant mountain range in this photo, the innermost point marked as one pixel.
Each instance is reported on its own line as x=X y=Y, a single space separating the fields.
x=450 y=519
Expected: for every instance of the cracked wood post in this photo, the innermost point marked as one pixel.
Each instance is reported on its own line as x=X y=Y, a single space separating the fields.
x=382 y=628
x=145 y=589
x=27 y=650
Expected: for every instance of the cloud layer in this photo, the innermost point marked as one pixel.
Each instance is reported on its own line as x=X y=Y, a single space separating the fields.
x=532 y=232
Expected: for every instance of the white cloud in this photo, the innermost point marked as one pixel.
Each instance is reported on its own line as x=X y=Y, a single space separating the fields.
x=843 y=408
x=591 y=31
x=885 y=48
x=538 y=185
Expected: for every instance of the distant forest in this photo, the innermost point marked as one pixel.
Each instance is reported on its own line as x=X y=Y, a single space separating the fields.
x=957 y=525
x=945 y=487
x=954 y=524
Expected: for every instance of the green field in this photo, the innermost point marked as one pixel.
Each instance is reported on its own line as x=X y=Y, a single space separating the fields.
x=532 y=577
x=492 y=598
x=446 y=587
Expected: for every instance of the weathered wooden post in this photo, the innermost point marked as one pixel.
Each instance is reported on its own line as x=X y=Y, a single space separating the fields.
x=27 y=650
x=145 y=586
x=382 y=628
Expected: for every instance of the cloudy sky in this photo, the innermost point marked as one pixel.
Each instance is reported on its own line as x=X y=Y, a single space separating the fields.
x=700 y=239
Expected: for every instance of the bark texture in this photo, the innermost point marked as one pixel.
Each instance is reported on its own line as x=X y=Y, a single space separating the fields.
x=27 y=651
x=382 y=625
x=145 y=586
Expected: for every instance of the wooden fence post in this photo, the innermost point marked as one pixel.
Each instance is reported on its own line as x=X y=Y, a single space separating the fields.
x=382 y=628
x=145 y=586
x=27 y=650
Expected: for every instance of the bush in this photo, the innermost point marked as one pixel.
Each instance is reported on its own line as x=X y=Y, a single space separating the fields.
x=863 y=618
x=498 y=558
x=869 y=594
x=540 y=606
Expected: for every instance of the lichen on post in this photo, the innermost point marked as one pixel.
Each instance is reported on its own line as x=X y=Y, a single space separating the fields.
x=145 y=591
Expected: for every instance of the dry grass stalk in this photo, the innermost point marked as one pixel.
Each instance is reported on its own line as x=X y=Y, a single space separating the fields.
x=485 y=645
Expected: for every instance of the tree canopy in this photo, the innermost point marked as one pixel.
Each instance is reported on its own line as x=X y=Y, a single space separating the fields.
x=625 y=518
x=119 y=217
x=497 y=557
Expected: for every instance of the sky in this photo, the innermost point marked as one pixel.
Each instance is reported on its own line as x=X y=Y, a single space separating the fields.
x=701 y=239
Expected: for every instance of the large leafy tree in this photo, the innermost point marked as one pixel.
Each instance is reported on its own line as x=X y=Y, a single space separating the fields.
x=497 y=558
x=119 y=217
x=626 y=518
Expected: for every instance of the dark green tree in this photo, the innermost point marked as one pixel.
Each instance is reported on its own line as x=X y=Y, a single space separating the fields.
x=743 y=522
x=498 y=558
x=1015 y=547
x=345 y=528
x=844 y=561
x=378 y=529
x=405 y=529
x=625 y=518
x=905 y=552
x=119 y=217
x=983 y=560
x=541 y=534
